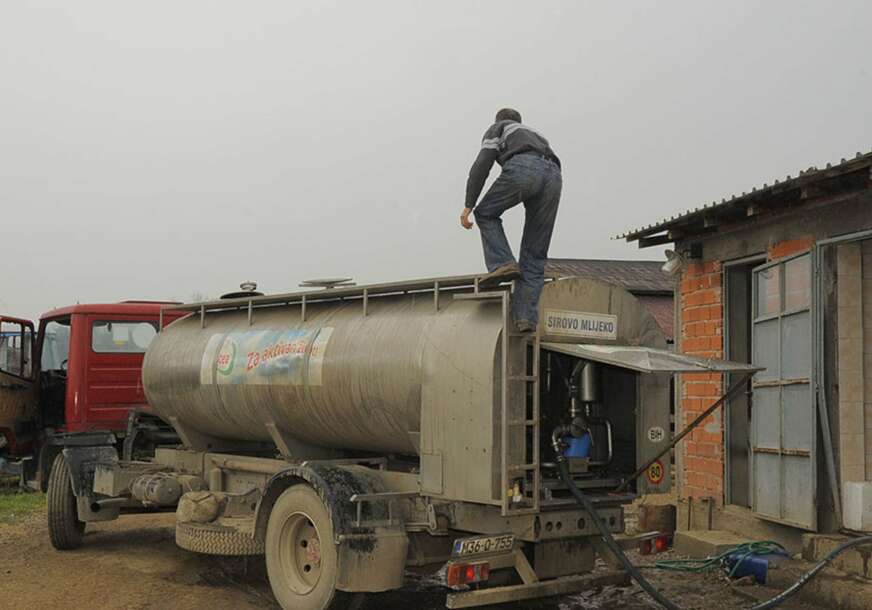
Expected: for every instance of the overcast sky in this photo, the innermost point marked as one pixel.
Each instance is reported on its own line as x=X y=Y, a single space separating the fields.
x=163 y=149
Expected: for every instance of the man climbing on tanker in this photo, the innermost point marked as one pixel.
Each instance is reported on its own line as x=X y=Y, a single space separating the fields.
x=531 y=175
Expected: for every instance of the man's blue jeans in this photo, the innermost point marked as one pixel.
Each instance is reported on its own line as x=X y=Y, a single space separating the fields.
x=536 y=181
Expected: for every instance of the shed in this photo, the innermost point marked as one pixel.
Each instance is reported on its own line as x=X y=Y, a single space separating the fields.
x=781 y=276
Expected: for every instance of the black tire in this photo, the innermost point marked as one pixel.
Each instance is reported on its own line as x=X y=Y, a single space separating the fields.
x=44 y=465
x=301 y=507
x=64 y=528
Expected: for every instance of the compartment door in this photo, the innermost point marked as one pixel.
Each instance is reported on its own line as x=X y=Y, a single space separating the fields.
x=654 y=394
x=783 y=416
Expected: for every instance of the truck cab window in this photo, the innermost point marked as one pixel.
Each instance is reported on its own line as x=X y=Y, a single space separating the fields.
x=124 y=337
x=16 y=349
x=56 y=345
x=53 y=370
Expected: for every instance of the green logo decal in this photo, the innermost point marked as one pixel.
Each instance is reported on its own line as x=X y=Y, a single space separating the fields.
x=226 y=359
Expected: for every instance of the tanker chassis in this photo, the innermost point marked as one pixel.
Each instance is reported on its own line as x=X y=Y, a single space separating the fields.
x=351 y=432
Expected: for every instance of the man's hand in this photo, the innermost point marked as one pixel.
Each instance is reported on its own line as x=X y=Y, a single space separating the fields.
x=465 y=222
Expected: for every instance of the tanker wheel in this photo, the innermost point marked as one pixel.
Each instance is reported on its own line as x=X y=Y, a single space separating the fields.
x=301 y=558
x=64 y=528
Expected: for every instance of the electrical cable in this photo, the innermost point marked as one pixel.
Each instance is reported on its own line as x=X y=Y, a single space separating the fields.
x=634 y=572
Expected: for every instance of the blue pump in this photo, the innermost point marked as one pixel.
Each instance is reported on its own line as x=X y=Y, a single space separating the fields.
x=577 y=447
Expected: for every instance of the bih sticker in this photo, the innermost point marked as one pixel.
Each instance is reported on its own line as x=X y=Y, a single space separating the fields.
x=655 y=473
x=656 y=434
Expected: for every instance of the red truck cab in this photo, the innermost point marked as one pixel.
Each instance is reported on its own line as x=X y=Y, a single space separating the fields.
x=80 y=372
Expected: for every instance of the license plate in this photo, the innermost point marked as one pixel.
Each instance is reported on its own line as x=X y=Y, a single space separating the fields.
x=482 y=545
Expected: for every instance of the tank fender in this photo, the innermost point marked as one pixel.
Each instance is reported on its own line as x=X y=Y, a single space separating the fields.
x=334 y=484
x=371 y=559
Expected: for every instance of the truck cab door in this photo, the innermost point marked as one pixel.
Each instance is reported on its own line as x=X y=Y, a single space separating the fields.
x=18 y=388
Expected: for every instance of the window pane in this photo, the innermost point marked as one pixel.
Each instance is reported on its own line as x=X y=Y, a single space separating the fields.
x=769 y=291
x=13 y=355
x=121 y=336
x=55 y=345
x=797 y=283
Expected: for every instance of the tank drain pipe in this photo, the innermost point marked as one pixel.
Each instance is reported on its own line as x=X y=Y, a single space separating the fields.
x=732 y=391
x=610 y=449
x=574 y=409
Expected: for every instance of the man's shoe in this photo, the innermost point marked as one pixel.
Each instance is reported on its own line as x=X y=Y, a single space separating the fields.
x=505 y=273
x=525 y=326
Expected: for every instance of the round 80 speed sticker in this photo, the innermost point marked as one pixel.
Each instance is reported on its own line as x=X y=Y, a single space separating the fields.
x=655 y=473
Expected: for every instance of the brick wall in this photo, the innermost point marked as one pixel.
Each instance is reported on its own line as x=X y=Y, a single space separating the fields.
x=702 y=324
x=702 y=321
x=791 y=246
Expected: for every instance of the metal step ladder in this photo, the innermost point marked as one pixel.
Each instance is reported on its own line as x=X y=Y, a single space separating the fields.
x=519 y=375
x=523 y=382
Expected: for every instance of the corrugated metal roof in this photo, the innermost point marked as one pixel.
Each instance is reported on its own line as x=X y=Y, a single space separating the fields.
x=760 y=193
x=662 y=307
x=638 y=277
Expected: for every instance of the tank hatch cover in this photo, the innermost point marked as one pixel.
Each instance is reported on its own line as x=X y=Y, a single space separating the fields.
x=649 y=359
x=246 y=289
x=329 y=282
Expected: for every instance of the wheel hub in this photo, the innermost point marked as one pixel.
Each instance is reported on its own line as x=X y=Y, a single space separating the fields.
x=301 y=553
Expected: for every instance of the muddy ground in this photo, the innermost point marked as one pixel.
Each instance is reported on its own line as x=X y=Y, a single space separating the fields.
x=133 y=563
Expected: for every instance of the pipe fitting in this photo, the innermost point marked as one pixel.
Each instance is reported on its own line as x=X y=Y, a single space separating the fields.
x=557 y=441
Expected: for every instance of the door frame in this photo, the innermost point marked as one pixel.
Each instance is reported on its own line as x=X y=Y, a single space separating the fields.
x=751 y=261
x=820 y=368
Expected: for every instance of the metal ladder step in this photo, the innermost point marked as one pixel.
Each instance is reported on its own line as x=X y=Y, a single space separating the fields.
x=523 y=378
x=523 y=422
x=520 y=428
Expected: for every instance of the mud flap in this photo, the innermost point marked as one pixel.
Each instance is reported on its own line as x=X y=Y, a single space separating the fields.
x=372 y=562
x=82 y=460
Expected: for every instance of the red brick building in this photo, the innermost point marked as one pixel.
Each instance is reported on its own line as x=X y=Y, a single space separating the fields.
x=780 y=276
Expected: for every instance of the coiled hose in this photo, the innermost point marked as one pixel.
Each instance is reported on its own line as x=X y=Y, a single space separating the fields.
x=743 y=551
x=636 y=575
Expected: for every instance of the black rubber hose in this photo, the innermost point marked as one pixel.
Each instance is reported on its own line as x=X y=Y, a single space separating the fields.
x=799 y=584
x=654 y=593
x=610 y=541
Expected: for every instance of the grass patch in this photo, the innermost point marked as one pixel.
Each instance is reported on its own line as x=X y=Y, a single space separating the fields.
x=17 y=506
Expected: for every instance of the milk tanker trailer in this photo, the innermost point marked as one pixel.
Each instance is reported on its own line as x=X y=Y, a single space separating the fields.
x=350 y=432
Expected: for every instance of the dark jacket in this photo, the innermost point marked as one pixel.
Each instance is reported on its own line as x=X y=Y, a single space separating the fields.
x=502 y=141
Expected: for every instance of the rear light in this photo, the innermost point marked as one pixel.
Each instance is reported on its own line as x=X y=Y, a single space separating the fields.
x=466 y=573
x=660 y=544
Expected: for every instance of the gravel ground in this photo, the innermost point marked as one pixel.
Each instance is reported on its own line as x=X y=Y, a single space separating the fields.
x=133 y=563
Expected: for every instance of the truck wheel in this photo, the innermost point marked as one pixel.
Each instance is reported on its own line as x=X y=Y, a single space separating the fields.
x=301 y=558
x=64 y=528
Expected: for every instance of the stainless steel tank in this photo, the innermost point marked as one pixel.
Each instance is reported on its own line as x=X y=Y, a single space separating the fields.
x=349 y=372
